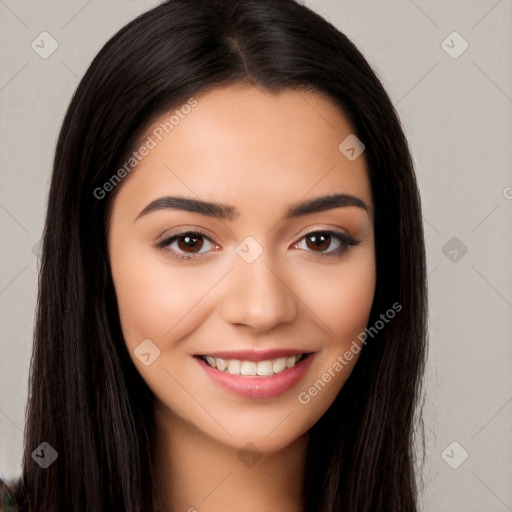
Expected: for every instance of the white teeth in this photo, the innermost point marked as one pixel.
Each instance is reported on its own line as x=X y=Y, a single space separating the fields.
x=291 y=361
x=248 y=368
x=279 y=365
x=265 y=368
x=234 y=367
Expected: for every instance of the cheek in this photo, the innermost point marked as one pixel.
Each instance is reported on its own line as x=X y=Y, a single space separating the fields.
x=342 y=300
x=144 y=297
x=342 y=296
x=155 y=299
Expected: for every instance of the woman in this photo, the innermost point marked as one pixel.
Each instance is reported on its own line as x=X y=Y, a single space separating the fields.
x=232 y=306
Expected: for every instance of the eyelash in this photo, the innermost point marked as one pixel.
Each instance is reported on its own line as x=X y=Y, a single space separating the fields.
x=346 y=241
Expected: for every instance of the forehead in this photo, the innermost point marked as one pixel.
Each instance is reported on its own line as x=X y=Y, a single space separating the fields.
x=248 y=147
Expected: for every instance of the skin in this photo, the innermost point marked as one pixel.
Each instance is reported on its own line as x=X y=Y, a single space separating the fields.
x=259 y=152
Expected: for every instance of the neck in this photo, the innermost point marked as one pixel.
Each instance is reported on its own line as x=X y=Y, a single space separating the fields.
x=200 y=474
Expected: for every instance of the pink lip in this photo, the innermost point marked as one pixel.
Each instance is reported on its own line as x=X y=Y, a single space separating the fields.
x=258 y=387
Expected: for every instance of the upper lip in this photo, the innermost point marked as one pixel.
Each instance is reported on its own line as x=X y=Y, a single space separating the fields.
x=254 y=355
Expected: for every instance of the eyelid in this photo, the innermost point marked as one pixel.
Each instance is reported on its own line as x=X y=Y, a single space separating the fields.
x=333 y=230
x=183 y=230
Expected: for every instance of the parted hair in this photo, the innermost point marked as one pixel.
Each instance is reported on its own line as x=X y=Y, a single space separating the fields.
x=86 y=398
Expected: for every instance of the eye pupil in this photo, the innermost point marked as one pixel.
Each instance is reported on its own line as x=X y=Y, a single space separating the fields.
x=190 y=243
x=318 y=242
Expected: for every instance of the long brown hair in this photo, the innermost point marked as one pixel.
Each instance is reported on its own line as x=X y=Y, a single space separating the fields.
x=86 y=398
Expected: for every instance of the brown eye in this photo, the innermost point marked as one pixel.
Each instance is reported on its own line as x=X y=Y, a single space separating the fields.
x=326 y=243
x=187 y=245
x=318 y=242
x=190 y=242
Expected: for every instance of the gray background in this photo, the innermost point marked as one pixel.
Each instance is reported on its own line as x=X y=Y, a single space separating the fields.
x=457 y=115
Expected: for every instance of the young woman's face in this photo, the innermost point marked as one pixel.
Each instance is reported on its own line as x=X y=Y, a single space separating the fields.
x=242 y=273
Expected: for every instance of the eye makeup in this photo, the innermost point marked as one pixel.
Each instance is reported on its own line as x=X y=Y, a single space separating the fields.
x=195 y=241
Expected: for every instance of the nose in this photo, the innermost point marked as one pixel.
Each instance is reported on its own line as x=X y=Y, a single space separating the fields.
x=256 y=296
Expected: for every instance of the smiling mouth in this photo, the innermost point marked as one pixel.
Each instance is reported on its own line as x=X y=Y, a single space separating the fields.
x=265 y=368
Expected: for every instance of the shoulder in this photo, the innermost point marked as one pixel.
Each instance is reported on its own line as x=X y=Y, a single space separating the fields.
x=7 y=501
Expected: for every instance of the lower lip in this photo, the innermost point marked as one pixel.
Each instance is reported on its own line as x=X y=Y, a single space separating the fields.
x=258 y=387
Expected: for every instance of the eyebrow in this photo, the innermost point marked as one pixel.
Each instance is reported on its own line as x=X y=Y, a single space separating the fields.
x=227 y=212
